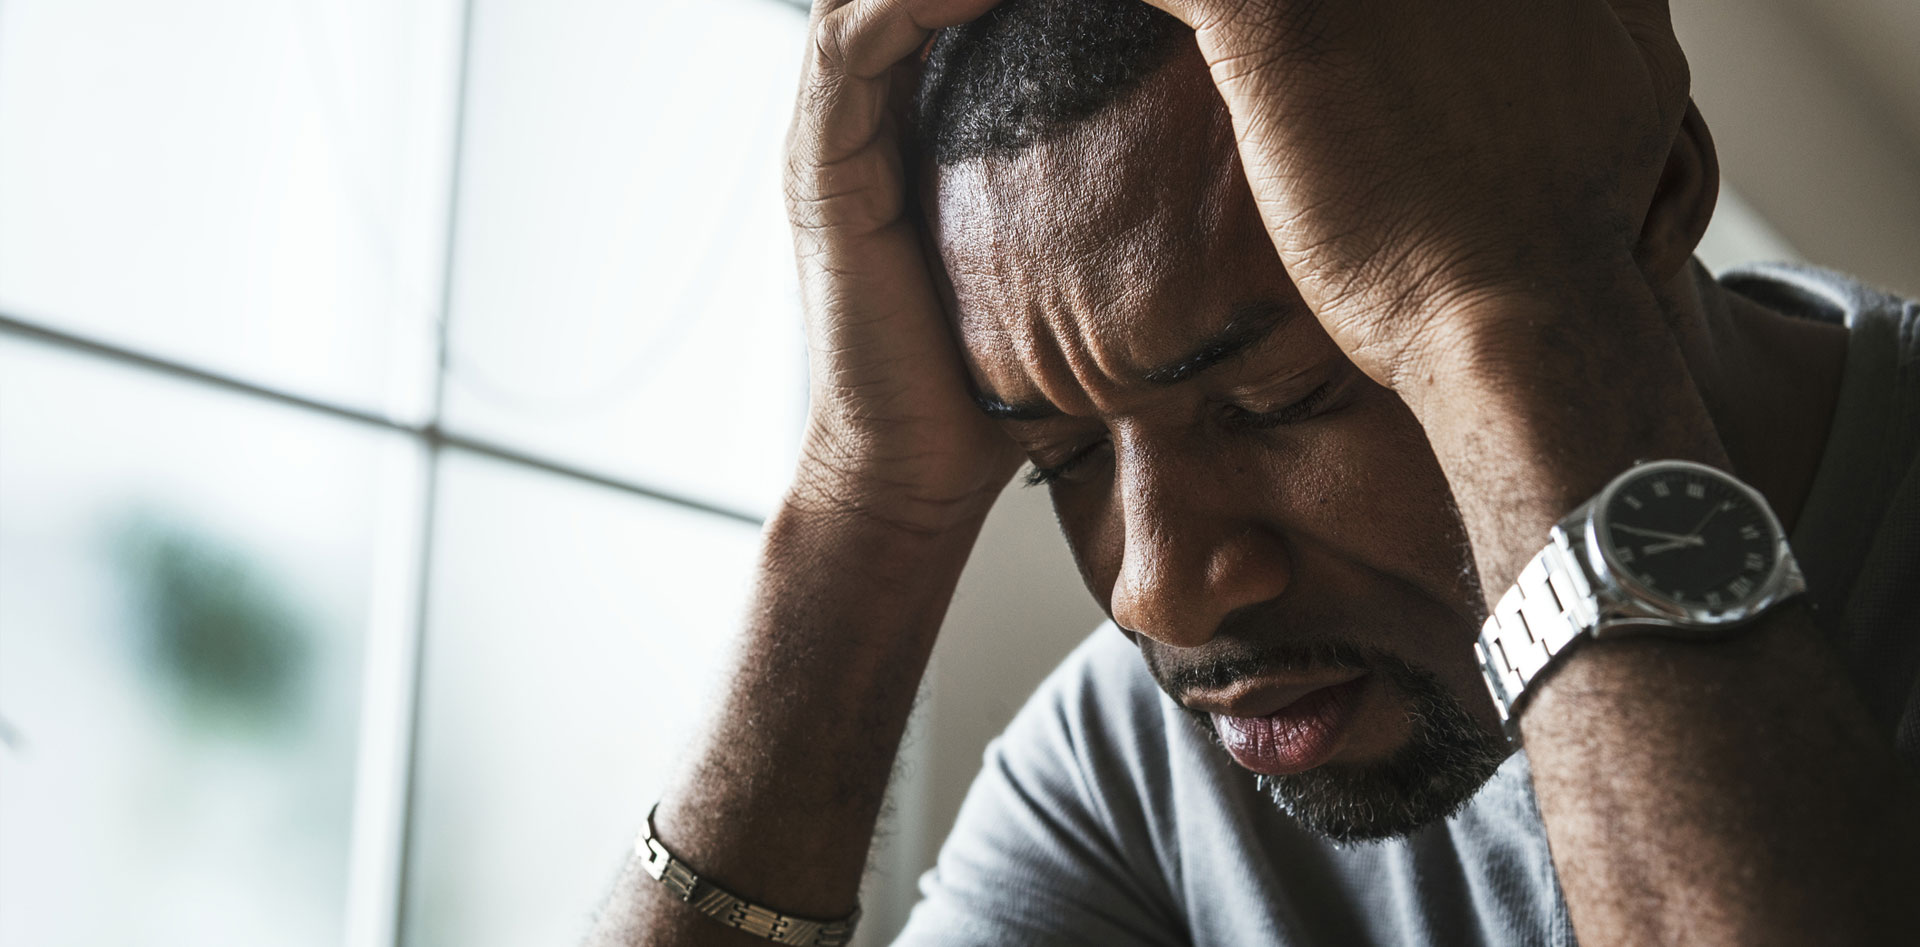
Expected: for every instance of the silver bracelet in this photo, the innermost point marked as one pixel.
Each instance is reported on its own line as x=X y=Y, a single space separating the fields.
x=731 y=909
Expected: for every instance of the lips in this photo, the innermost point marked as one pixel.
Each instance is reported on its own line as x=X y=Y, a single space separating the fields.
x=1299 y=736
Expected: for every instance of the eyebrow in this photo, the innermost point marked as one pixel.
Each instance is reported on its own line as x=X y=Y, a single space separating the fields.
x=1015 y=411
x=1251 y=324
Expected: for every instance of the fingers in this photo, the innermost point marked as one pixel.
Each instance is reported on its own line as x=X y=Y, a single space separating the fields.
x=1204 y=15
x=1650 y=24
x=862 y=38
x=855 y=44
x=1183 y=10
x=1648 y=10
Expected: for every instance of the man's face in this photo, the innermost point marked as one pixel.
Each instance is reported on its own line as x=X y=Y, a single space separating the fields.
x=1267 y=524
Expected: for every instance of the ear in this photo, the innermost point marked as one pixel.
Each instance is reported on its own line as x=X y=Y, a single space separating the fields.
x=1683 y=202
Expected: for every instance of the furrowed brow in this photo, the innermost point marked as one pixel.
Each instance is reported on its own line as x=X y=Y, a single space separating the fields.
x=1015 y=411
x=1250 y=325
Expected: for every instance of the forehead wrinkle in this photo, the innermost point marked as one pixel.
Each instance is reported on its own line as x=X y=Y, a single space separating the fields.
x=1126 y=232
x=1057 y=333
x=1083 y=251
x=1091 y=259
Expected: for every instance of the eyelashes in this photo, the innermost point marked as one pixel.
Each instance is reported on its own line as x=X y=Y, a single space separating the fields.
x=1294 y=413
x=1298 y=411
x=1040 y=476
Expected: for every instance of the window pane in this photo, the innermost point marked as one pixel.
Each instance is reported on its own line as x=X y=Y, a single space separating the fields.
x=624 y=291
x=254 y=186
x=573 y=638
x=184 y=584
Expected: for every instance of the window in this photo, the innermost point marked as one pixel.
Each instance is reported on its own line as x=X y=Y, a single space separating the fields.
x=373 y=423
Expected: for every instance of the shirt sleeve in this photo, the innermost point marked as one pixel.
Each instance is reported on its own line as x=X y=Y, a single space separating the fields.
x=1054 y=844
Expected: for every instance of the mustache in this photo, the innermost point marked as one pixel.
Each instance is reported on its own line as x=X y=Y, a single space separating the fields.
x=1180 y=677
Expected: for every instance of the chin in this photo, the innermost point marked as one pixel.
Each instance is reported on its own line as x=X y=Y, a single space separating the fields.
x=1445 y=759
x=1349 y=804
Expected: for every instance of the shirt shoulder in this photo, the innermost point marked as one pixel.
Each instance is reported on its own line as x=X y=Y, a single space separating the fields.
x=1053 y=844
x=1858 y=540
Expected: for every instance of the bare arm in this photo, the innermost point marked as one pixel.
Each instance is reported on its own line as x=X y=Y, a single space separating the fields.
x=898 y=471
x=779 y=805
x=1731 y=792
x=1473 y=198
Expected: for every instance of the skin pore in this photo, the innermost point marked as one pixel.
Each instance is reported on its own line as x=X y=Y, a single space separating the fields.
x=1236 y=493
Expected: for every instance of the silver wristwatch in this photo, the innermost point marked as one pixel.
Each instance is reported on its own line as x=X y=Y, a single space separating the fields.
x=1669 y=548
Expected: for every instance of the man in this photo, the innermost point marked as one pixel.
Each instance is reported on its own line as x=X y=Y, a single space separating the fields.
x=1316 y=318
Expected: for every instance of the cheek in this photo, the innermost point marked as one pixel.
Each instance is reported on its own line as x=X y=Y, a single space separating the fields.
x=1090 y=517
x=1394 y=493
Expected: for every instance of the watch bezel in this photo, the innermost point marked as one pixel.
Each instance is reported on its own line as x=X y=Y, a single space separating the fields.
x=1626 y=602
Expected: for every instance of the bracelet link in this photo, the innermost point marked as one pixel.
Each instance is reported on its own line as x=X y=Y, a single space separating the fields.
x=654 y=858
x=730 y=909
x=666 y=869
x=680 y=880
x=757 y=921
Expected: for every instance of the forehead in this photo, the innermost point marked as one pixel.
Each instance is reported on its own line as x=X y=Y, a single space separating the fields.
x=1108 y=249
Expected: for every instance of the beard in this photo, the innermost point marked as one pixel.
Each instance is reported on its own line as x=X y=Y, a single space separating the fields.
x=1445 y=761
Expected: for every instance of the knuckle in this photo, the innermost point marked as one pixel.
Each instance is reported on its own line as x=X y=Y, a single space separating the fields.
x=832 y=40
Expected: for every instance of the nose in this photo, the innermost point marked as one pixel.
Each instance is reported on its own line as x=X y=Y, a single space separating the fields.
x=1194 y=550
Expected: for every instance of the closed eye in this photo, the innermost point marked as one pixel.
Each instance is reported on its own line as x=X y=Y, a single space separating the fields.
x=1294 y=413
x=1298 y=411
x=1040 y=476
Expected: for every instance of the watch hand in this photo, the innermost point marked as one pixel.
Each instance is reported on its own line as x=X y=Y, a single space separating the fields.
x=1656 y=534
x=1663 y=547
x=1703 y=520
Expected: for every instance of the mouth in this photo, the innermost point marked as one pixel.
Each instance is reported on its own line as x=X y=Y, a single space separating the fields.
x=1282 y=728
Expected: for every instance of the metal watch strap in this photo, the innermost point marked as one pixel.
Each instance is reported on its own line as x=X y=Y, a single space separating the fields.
x=731 y=909
x=1548 y=608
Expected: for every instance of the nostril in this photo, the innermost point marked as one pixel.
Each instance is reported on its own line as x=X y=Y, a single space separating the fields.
x=1150 y=599
x=1179 y=596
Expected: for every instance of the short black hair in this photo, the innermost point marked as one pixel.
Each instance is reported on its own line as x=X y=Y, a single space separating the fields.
x=1030 y=69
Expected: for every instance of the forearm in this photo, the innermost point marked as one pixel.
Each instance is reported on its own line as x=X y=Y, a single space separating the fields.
x=1727 y=792
x=781 y=796
x=1543 y=399
x=1721 y=793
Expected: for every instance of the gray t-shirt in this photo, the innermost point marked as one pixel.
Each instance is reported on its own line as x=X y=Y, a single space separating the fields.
x=1103 y=816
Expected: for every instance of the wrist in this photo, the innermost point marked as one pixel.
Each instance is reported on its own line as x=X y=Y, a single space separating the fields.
x=835 y=482
x=1545 y=326
x=1581 y=367
x=907 y=551
x=1533 y=403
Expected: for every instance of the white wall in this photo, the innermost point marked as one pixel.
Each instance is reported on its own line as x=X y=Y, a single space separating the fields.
x=1815 y=109
x=1019 y=609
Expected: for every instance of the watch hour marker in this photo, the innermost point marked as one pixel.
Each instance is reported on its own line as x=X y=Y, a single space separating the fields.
x=1624 y=554
x=1755 y=562
x=1632 y=501
x=1740 y=586
x=1660 y=489
x=1713 y=599
x=1749 y=531
x=1697 y=491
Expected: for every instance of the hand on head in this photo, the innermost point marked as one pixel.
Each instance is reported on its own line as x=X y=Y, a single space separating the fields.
x=1413 y=162
x=892 y=432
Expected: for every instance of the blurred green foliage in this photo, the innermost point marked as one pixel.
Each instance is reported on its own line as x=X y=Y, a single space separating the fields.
x=216 y=632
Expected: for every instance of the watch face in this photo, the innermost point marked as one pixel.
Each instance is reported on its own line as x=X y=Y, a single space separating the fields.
x=1690 y=537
